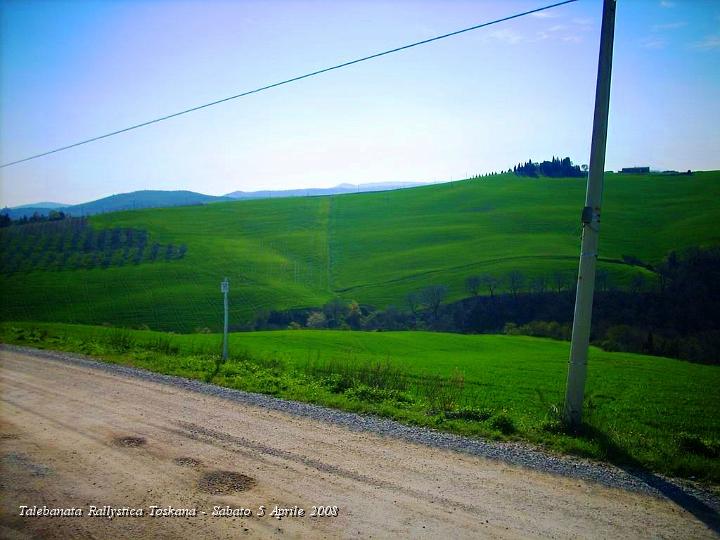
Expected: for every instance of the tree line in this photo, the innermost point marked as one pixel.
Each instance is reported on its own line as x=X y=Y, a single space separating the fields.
x=556 y=168
x=674 y=315
x=53 y=215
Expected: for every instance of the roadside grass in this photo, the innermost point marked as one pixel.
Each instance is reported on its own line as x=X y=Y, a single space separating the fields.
x=301 y=252
x=656 y=413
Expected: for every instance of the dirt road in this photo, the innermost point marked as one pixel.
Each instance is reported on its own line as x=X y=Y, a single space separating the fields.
x=77 y=437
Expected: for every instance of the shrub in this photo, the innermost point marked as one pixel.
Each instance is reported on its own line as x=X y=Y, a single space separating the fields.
x=504 y=424
x=31 y=335
x=336 y=383
x=269 y=383
x=624 y=338
x=91 y=347
x=551 y=329
x=511 y=329
x=316 y=320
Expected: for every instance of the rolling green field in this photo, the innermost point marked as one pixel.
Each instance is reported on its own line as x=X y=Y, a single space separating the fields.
x=373 y=248
x=649 y=412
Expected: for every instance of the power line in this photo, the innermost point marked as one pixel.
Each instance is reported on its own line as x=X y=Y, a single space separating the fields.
x=286 y=81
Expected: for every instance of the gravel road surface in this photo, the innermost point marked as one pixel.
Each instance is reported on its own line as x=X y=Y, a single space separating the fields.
x=110 y=441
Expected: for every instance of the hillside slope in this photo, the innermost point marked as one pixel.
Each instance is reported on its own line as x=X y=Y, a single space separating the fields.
x=371 y=247
x=314 y=192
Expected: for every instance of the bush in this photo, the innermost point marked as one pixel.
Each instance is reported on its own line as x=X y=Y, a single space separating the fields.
x=551 y=329
x=336 y=383
x=504 y=424
x=624 y=338
x=31 y=335
x=511 y=329
x=316 y=320
x=91 y=347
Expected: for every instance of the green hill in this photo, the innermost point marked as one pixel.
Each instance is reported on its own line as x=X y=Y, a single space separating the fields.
x=370 y=247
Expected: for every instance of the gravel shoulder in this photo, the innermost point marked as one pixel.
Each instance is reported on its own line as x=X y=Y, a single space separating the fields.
x=75 y=432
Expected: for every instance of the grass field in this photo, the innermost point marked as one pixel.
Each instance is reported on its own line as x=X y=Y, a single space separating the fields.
x=372 y=247
x=655 y=413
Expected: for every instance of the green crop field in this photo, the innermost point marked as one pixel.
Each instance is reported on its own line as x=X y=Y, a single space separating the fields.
x=373 y=248
x=655 y=413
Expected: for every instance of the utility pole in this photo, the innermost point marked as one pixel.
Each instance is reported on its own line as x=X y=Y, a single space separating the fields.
x=577 y=366
x=225 y=288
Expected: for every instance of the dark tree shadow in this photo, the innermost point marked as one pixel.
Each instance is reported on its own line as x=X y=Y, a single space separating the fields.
x=674 y=492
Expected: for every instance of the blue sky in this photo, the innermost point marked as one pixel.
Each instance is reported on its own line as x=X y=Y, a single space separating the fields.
x=473 y=103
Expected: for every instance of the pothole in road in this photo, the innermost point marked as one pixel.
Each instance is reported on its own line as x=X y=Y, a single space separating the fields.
x=187 y=462
x=130 y=442
x=225 y=482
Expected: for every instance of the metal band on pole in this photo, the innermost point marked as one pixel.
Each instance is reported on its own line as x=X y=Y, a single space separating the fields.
x=577 y=366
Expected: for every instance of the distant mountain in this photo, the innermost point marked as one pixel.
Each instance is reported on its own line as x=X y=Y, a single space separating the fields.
x=52 y=205
x=142 y=199
x=123 y=201
x=159 y=199
x=311 y=192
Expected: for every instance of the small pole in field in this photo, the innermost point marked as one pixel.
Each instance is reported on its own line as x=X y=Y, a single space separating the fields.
x=225 y=288
x=577 y=366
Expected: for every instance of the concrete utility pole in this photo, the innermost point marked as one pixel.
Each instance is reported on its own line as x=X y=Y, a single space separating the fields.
x=225 y=288
x=577 y=367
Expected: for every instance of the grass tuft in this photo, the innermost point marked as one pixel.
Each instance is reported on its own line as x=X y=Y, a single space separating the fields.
x=121 y=340
x=469 y=413
x=698 y=446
